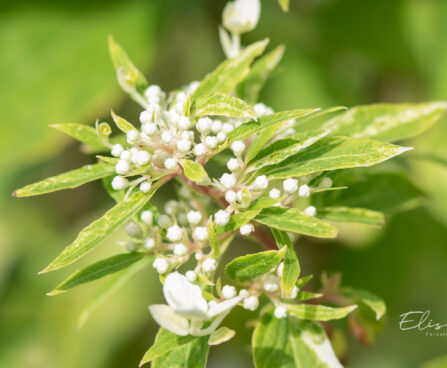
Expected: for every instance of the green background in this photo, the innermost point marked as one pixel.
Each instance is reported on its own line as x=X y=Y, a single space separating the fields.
x=54 y=68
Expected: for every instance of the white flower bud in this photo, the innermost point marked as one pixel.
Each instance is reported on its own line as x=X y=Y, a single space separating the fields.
x=134 y=230
x=280 y=269
x=294 y=293
x=174 y=233
x=161 y=265
x=238 y=148
x=194 y=217
x=188 y=135
x=152 y=90
x=164 y=221
x=145 y=186
x=243 y=293
x=246 y=229
x=304 y=191
x=180 y=249
x=216 y=126
x=183 y=145
x=199 y=149
x=231 y=196
x=133 y=136
x=262 y=110
x=222 y=217
x=233 y=164
x=117 y=150
x=251 y=303
x=290 y=185
x=228 y=291
x=143 y=158
x=149 y=244
x=261 y=182
x=122 y=167
x=326 y=182
x=199 y=255
x=275 y=193
x=280 y=312
x=204 y=125
x=191 y=276
x=145 y=117
x=241 y=16
x=149 y=128
x=184 y=123
x=170 y=206
x=211 y=142
x=209 y=265
x=227 y=128
x=271 y=283
x=119 y=183
x=201 y=233
x=310 y=211
x=228 y=180
x=166 y=136
x=132 y=246
x=170 y=163
x=147 y=217
x=221 y=136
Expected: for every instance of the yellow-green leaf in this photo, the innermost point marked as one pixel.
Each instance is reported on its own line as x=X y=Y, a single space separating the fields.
x=195 y=172
x=219 y=104
x=83 y=133
x=318 y=312
x=122 y=123
x=352 y=215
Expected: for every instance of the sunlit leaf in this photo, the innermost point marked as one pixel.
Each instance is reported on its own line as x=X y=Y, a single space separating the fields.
x=195 y=172
x=318 y=312
x=221 y=335
x=83 y=133
x=352 y=215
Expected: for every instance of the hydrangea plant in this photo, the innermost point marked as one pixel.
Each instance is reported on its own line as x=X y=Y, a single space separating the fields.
x=281 y=176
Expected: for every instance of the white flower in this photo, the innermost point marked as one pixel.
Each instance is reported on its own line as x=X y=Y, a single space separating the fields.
x=201 y=233
x=122 y=167
x=145 y=186
x=326 y=182
x=216 y=126
x=188 y=135
x=184 y=145
x=304 y=191
x=152 y=90
x=228 y=291
x=251 y=303
x=133 y=136
x=170 y=163
x=119 y=183
x=125 y=155
x=174 y=233
x=228 y=180
x=238 y=147
x=246 y=229
x=166 y=136
x=227 y=128
x=230 y=196
x=171 y=206
x=191 y=275
x=211 y=142
x=222 y=217
x=147 y=217
x=241 y=16
x=194 y=217
x=187 y=309
x=243 y=293
x=117 y=150
x=164 y=221
x=149 y=244
x=209 y=265
x=271 y=283
x=145 y=117
x=290 y=185
x=143 y=158
x=180 y=249
x=199 y=149
x=134 y=230
x=310 y=211
x=233 y=164
x=221 y=136
x=262 y=110
x=184 y=123
x=275 y=193
x=204 y=125
x=161 y=265
x=149 y=128
x=280 y=312
x=261 y=182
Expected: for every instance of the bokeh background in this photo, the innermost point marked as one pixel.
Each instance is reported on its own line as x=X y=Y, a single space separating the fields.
x=54 y=67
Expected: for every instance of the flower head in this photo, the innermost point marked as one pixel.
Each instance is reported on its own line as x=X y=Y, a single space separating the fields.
x=241 y=16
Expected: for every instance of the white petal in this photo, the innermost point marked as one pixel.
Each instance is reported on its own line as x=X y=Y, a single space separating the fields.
x=165 y=316
x=223 y=306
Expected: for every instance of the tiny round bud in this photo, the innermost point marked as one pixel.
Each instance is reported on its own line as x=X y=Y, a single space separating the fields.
x=304 y=191
x=204 y=125
x=132 y=246
x=211 y=142
x=180 y=249
x=290 y=185
x=122 y=167
x=171 y=206
x=209 y=265
x=194 y=217
x=222 y=217
x=251 y=303
x=199 y=149
x=161 y=265
x=201 y=233
x=221 y=136
x=261 y=182
x=170 y=163
x=271 y=283
x=243 y=293
x=191 y=276
x=246 y=229
x=126 y=155
x=143 y=158
x=149 y=243
x=228 y=180
x=216 y=126
x=228 y=291
x=145 y=186
x=166 y=136
x=231 y=196
x=134 y=230
x=119 y=183
x=147 y=217
x=238 y=147
x=199 y=255
x=164 y=221
x=149 y=128
x=280 y=312
x=152 y=90
x=183 y=145
x=227 y=128
x=117 y=150
x=174 y=233
x=310 y=211
x=184 y=123
x=275 y=193
x=326 y=182
x=145 y=117
x=233 y=164
x=133 y=136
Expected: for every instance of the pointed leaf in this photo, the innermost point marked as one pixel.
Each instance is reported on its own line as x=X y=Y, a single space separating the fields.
x=83 y=133
x=307 y=295
x=214 y=242
x=195 y=172
x=221 y=335
x=261 y=141
x=219 y=104
x=284 y=5
x=376 y=304
x=122 y=123
x=352 y=215
x=318 y=312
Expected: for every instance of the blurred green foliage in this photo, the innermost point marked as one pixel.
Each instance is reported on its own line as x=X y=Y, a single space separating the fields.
x=55 y=68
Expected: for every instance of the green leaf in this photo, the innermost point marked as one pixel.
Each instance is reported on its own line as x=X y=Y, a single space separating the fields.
x=129 y=77
x=236 y=221
x=214 y=242
x=165 y=341
x=332 y=153
x=122 y=123
x=229 y=73
x=293 y=220
x=291 y=270
x=260 y=141
x=284 y=148
x=303 y=281
x=195 y=172
x=260 y=71
x=246 y=130
x=248 y=267
x=376 y=304
x=263 y=202
x=318 y=312
x=83 y=133
x=97 y=270
x=191 y=355
x=439 y=362
x=98 y=230
x=219 y=104
x=284 y=4
x=291 y=343
x=387 y=122
x=221 y=335
x=306 y=295
x=352 y=215
x=68 y=180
